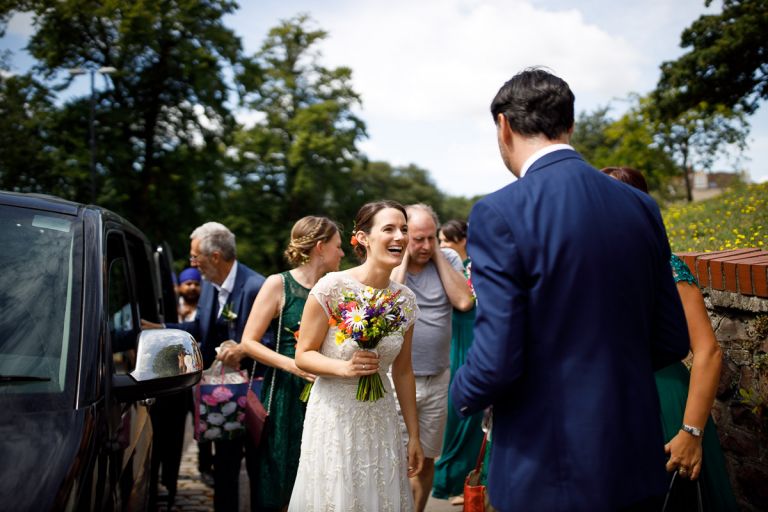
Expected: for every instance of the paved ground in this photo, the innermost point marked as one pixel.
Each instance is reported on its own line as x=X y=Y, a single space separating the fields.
x=192 y=495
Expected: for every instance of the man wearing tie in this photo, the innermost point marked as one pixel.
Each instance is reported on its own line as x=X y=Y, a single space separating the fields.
x=228 y=291
x=576 y=307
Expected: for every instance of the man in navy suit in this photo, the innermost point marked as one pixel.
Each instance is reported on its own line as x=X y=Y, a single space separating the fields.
x=576 y=308
x=229 y=289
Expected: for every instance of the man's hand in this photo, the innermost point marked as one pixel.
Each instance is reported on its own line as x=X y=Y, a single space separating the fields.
x=399 y=272
x=145 y=324
x=231 y=355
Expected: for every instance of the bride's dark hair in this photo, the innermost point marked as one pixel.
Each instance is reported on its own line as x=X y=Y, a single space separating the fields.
x=364 y=220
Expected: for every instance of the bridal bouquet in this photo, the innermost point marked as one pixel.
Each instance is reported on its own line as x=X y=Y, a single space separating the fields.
x=366 y=317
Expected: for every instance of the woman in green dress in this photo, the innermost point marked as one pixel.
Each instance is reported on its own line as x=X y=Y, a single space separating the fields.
x=462 y=438
x=314 y=250
x=685 y=397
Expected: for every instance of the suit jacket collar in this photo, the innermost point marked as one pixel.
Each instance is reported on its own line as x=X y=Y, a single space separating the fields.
x=553 y=157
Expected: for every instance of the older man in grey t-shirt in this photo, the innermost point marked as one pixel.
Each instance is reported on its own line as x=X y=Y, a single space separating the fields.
x=436 y=277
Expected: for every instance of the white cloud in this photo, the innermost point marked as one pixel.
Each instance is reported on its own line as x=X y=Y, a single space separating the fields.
x=427 y=72
x=440 y=60
x=21 y=25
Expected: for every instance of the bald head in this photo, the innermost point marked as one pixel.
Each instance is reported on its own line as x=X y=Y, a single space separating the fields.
x=422 y=235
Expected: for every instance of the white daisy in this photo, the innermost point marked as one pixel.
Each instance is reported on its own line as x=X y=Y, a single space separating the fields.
x=357 y=319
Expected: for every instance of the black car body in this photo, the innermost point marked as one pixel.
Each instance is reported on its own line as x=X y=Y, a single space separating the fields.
x=76 y=372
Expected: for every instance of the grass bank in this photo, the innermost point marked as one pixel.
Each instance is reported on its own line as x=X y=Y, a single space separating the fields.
x=737 y=218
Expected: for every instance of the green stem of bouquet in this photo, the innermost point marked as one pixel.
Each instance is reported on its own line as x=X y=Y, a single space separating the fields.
x=370 y=388
x=304 y=396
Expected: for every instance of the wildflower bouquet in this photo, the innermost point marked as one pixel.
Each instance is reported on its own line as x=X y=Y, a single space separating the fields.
x=366 y=317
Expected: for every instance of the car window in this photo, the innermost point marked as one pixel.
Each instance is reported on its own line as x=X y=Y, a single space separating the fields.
x=37 y=263
x=121 y=318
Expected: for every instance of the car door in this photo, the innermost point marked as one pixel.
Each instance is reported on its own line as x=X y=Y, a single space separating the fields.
x=129 y=427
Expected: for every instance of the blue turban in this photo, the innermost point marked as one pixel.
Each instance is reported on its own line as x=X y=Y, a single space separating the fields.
x=189 y=274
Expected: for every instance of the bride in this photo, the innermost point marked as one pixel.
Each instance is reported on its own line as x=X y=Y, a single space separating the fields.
x=352 y=454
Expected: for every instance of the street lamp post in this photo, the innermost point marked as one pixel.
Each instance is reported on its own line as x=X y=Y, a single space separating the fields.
x=104 y=70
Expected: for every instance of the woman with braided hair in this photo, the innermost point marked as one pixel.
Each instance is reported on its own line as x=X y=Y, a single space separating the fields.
x=314 y=250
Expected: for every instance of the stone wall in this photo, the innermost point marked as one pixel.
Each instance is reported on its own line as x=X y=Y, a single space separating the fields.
x=735 y=288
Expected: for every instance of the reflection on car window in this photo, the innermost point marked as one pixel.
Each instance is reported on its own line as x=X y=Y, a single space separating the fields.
x=36 y=284
x=122 y=324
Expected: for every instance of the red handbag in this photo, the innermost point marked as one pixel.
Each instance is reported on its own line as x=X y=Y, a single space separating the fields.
x=476 y=494
x=255 y=415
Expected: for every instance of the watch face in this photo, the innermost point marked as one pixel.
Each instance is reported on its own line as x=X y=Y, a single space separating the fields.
x=692 y=430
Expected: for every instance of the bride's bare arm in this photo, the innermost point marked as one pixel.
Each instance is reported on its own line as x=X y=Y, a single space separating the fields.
x=405 y=386
x=314 y=328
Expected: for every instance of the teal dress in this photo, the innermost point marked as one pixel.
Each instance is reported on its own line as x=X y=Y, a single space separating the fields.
x=463 y=436
x=277 y=458
x=672 y=386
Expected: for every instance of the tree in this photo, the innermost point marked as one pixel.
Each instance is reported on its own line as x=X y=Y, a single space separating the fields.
x=296 y=160
x=589 y=136
x=698 y=136
x=626 y=142
x=28 y=142
x=163 y=122
x=727 y=63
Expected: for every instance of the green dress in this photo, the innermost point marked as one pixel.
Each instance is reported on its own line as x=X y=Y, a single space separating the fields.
x=278 y=454
x=672 y=386
x=463 y=436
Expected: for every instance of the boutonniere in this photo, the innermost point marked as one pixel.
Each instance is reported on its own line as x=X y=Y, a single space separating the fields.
x=228 y=314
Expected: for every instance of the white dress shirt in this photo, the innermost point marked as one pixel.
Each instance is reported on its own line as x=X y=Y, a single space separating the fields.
x=540 y=153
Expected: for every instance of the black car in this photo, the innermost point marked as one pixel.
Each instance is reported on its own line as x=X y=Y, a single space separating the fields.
x=76 y=372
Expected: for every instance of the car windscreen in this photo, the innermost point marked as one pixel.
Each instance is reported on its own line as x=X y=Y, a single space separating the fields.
x=37 y=270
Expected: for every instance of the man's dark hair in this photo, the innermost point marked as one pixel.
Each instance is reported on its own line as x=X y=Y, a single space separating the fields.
x=535 y=102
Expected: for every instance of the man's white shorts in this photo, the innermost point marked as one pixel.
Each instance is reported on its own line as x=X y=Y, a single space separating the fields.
x=432 y=408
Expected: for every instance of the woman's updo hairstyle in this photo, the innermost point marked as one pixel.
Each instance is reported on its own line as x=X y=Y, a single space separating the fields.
x=454 y=230
x=304 y=236
x=364 y=221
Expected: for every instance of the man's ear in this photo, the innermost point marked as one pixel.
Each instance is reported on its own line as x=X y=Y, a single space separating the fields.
x=502 y=126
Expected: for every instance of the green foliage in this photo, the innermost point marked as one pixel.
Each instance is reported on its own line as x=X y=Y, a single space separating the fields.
x=735 y=219
x=626 y=142
x=29 y=141
x=661 y=148
x=760 y=327
x=297 y=159
x=168 y=153
x=726 y=63
x=161 y=119
x=589 y=137
x=754 y=399
x=696 y=137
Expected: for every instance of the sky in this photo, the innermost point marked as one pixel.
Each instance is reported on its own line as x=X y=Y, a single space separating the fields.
x=428 y=69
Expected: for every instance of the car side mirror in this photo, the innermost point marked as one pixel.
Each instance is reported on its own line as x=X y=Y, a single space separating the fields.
x=167 y=361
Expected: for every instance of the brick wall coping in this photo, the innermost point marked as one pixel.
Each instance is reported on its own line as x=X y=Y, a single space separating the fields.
x=743 y=271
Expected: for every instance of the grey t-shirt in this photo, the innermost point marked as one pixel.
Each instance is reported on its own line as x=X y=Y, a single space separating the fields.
x=432 y=333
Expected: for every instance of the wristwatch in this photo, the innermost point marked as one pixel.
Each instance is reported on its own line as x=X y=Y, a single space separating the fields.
x=695 y=432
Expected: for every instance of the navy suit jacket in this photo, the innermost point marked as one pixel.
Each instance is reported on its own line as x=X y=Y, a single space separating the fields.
x=576 y=307
x=247 y=286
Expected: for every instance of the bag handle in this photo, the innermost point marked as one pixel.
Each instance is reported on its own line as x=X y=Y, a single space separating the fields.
x=699 y=501
x=481 y=455
x=277 y=342
x=277 y=348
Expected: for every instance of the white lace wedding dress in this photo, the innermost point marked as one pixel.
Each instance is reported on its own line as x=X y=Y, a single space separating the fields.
x=352 y=454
